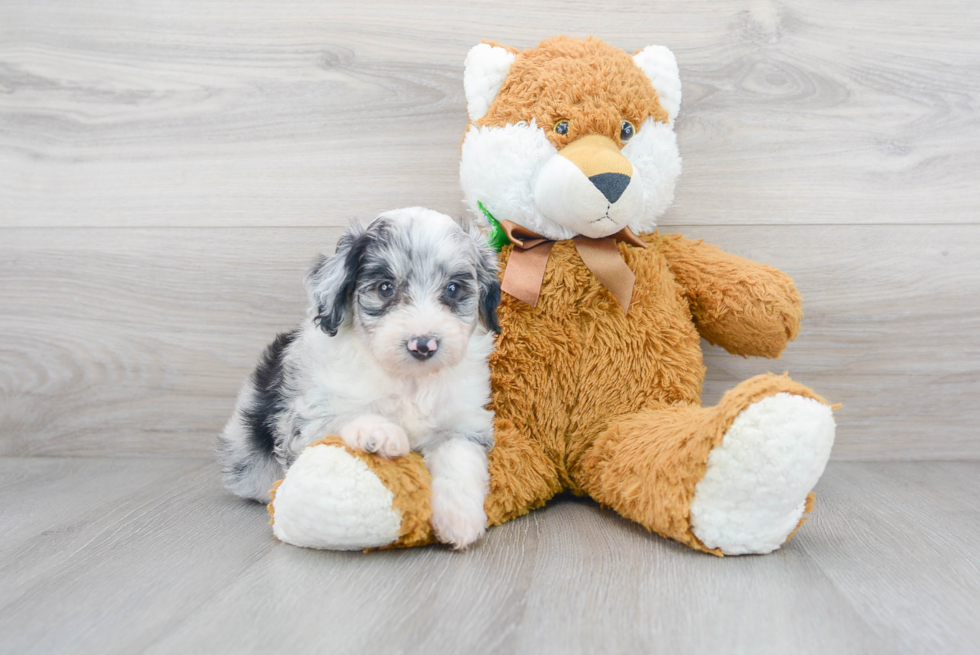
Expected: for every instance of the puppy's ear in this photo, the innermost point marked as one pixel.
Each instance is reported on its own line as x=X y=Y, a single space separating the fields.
x=330 y=281
x=486 y=279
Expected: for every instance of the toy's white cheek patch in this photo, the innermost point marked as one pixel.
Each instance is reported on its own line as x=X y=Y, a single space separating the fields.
x=499 y=166
x=654 y=155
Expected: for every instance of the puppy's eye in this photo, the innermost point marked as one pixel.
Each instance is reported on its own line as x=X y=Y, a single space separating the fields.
x=386 y=290
x=452 y=291
x=561 y=127
x=626 y=131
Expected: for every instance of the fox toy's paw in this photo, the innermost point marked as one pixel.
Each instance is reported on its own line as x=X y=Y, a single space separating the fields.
x=337 y=498
x=754 y=492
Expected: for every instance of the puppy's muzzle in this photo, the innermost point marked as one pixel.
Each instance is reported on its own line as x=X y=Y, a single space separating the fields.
x=423 y=347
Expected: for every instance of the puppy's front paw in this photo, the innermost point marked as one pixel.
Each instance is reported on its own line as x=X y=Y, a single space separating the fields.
x=375 y=434
x=458 y=521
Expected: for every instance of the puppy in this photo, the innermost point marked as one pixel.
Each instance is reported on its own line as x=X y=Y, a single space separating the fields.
x=393 y=359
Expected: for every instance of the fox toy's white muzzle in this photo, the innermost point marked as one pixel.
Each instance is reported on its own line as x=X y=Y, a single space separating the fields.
x=589 y=187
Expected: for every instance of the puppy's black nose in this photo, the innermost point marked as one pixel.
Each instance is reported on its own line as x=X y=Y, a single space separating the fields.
x=611 y=185
x=423 y=347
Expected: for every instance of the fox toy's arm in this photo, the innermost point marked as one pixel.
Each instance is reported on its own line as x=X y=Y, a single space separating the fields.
x=745 y=307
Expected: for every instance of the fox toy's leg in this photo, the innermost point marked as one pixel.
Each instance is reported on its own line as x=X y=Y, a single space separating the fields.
x=731 y=479
x=337 y=498
x=522 y=476
x=341 y=499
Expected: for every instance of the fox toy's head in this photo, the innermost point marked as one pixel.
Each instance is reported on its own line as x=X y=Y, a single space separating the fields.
x=572 y=137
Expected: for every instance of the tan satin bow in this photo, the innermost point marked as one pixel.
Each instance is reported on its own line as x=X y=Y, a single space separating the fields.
x=528 y=260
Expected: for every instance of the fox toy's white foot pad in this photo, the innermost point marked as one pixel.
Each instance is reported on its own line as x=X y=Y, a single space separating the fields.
x=330 y=499
x=753 y=493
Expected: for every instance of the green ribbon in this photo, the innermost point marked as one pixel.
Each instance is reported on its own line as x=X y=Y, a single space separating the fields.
x=497 y=237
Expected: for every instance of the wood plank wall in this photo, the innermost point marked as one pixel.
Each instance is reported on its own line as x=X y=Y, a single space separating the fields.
x=168 y=169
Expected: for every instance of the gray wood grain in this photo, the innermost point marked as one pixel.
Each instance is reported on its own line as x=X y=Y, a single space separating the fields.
x=121 y=567
x=915 y=530
x=154 y=557
x=135 y=341
x=168 y=169
x=302 y=113
x=40 y=514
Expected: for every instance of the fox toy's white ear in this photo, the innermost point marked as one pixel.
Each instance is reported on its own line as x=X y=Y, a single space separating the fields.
x=660 y=66
x=483 y=74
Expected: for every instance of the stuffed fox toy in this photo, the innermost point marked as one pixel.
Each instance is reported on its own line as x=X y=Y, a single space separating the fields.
x=569 y=158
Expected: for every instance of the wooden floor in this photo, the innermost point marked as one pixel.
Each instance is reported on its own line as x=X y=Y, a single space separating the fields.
x=151 y=556
x=168 y=170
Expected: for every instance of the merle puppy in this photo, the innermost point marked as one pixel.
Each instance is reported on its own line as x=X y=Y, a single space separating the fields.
x=393 y=359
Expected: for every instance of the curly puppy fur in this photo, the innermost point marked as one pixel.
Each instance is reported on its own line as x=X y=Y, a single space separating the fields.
x=606 y=404
x=393 y=360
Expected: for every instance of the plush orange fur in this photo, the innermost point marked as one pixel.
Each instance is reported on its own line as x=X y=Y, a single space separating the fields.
x=591 y=400
x=646 y=465
x=770 y=308
x=595 y=402
x=613 y=401
x=559 y=79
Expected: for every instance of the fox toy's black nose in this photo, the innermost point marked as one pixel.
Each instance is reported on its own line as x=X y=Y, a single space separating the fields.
x=611 y=185
x=423 y=347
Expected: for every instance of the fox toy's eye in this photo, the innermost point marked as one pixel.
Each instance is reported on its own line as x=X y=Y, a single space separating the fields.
x=561 y=127
x=452 y=291
x=627 y=131
x=386 y=290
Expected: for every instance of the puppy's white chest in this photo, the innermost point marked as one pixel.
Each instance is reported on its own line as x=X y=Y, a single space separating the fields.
x=419 y=415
